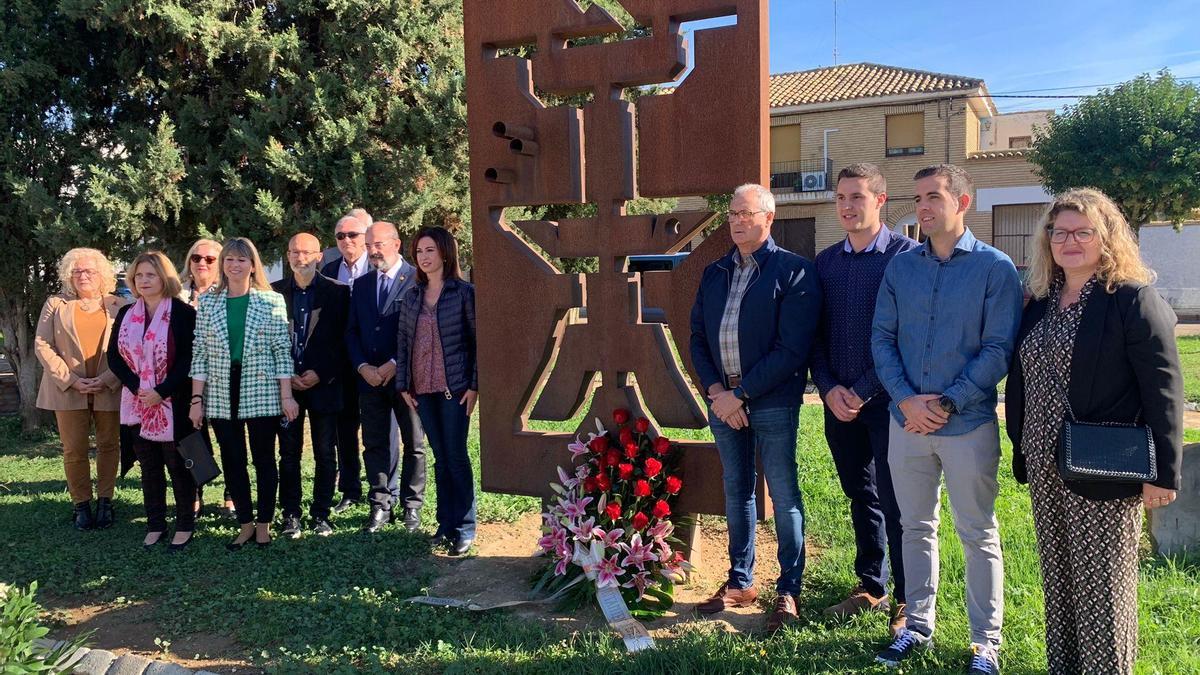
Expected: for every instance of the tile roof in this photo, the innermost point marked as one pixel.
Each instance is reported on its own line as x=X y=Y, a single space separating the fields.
x=860 y=80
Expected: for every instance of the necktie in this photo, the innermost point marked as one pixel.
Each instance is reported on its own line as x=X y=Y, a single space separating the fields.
x=385 y=284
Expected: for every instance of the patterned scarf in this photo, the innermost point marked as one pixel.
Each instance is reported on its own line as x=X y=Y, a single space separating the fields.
x=145 y=351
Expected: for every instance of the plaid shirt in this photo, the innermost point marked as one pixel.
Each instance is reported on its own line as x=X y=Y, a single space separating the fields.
x=266 y=357
x=731 y=358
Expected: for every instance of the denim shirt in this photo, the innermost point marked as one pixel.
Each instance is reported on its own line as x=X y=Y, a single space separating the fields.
x=947 y=327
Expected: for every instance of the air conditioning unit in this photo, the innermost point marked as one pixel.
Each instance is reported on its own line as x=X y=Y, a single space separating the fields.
x=812 y=181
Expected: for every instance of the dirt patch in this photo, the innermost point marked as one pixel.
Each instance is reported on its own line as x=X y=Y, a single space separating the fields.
x=127 y=627
x=501 y=570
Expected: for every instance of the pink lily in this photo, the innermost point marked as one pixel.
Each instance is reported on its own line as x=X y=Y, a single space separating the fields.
x=585 y=530
x=567 y=481
x=639 y=554
x=552 y=540
x=607 y=572
x=564 y=562
x=610 y=539
x=661 y=530
x=574 y=508
x=577 y=448
x=639 y=581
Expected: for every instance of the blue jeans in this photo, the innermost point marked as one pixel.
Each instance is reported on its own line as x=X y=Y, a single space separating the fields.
x=772 y=433
x=445 y=422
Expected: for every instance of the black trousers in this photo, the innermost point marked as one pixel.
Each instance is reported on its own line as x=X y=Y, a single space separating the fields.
x=860 y=450
x=158 y=460
x=349 y=463
x=231 y=436
x=378 y=407
x=322 y=429
x=208 y=442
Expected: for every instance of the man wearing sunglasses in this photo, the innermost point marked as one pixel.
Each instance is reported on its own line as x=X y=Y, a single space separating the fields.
x=351 y=236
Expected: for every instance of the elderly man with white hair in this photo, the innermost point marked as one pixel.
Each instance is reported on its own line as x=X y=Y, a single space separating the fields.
x=755 y=317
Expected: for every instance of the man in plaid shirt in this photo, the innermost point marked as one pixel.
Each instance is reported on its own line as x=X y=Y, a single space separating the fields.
x=755 y=316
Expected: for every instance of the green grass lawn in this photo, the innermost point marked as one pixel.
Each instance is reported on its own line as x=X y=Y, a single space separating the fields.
x=1189 y=357
x=335 y=605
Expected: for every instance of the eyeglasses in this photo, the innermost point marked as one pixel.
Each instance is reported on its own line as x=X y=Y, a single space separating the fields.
x=1082 y=236
x=348 y=235
x=734 y=215
x=297 y=252
x=210 y=259
x=85 y=273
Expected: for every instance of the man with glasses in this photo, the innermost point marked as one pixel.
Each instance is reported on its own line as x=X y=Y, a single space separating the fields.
x=945 y=324
x=317 y=310
x=371 y=340
x=352 y=263
x=755 y=316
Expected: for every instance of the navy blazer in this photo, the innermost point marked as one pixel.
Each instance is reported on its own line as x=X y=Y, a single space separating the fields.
x=370 y=334
x=1125 y=363
x=778 y=321
x=456 y=328
x=325 y=348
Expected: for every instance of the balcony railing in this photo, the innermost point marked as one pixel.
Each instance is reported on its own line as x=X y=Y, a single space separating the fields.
x=809 y=175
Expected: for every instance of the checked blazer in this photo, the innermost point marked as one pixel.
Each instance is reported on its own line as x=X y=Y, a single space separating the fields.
x=266 y=355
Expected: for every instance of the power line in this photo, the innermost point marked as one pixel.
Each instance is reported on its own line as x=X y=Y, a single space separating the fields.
x=1079 y=86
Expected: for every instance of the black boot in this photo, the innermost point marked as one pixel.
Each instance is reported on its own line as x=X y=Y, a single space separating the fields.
x=104 y=513
x=83 y=516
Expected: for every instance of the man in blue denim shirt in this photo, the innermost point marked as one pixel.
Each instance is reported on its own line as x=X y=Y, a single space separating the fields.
x=946 y=320
x=753 y=323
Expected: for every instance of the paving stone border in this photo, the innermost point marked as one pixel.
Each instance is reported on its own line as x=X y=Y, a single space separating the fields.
x=103 y=662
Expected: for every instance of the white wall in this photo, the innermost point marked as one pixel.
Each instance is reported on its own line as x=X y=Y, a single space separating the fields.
x=995 y=131
x=1175 y=256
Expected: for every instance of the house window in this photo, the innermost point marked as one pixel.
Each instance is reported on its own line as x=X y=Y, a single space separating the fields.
x=1013 y=226
x=906 y=134
x=1020 y=142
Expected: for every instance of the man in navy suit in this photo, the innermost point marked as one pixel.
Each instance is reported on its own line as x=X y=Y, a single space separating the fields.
x=371 y=342
x=350 y=263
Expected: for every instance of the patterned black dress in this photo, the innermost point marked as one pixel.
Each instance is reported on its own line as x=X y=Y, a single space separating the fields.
x=1088 y=548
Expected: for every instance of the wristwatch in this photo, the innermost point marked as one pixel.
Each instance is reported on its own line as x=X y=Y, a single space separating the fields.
x=740 y=393
x=947 y=405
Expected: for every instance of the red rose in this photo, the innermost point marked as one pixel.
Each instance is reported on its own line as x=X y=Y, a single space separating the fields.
x=589 y=484
x=661 y=509
x=625 y=470
x=662 y=445
x=641 y=489
x=612 y=458
x=640 y=521
x=598 y=444
x=603 y=481
x=642 y=425
x=613 y=510
x=631 y=450
x=674 y=484
x=625 y=436
x=620 y=416
x=652 y=467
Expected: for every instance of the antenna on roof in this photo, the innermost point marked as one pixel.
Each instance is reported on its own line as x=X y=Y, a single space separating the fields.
x=835 y=52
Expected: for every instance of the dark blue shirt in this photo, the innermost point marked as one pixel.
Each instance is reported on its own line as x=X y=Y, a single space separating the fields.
x=947 y=327
x=849 y=283
x=302 y=301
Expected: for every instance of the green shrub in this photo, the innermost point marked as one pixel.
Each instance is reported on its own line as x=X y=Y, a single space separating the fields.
x=21 y=647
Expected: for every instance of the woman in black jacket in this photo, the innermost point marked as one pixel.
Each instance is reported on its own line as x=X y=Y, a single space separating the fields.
x=437 y=375
x=150 y=351
x=1097 y=344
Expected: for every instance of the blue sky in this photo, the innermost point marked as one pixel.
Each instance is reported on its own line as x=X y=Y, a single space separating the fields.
x=1013 y=45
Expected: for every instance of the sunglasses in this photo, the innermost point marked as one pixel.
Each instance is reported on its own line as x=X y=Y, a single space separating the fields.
x=348 y=235
x=210 y=259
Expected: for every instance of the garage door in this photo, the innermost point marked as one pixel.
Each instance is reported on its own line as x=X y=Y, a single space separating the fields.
x=1013 y=226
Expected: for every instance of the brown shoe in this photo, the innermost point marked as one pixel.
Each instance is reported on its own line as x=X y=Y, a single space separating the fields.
x=783 y=612
x=858 y=602
x=898 y=621
x=727 y=597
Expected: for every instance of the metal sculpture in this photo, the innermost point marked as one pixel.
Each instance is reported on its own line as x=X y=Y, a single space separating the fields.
x=548 y=340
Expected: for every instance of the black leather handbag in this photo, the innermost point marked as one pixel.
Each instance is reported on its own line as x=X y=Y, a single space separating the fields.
x=197 y=458
x=1106 y=451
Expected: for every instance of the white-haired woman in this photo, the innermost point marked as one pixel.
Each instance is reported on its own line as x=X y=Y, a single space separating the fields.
x=242 y=380
x=71 y=343
x=1097 y=344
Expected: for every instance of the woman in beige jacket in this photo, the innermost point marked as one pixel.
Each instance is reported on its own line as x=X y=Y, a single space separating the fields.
x=72 y=338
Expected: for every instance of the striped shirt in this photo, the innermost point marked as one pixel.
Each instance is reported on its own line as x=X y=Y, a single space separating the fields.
x=731 y=358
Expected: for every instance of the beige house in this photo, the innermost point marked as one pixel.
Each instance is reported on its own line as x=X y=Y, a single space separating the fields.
x=900 y=119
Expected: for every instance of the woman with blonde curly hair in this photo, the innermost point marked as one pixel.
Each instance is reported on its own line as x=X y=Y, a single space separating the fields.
x=1097 y=345
x=71 y=342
